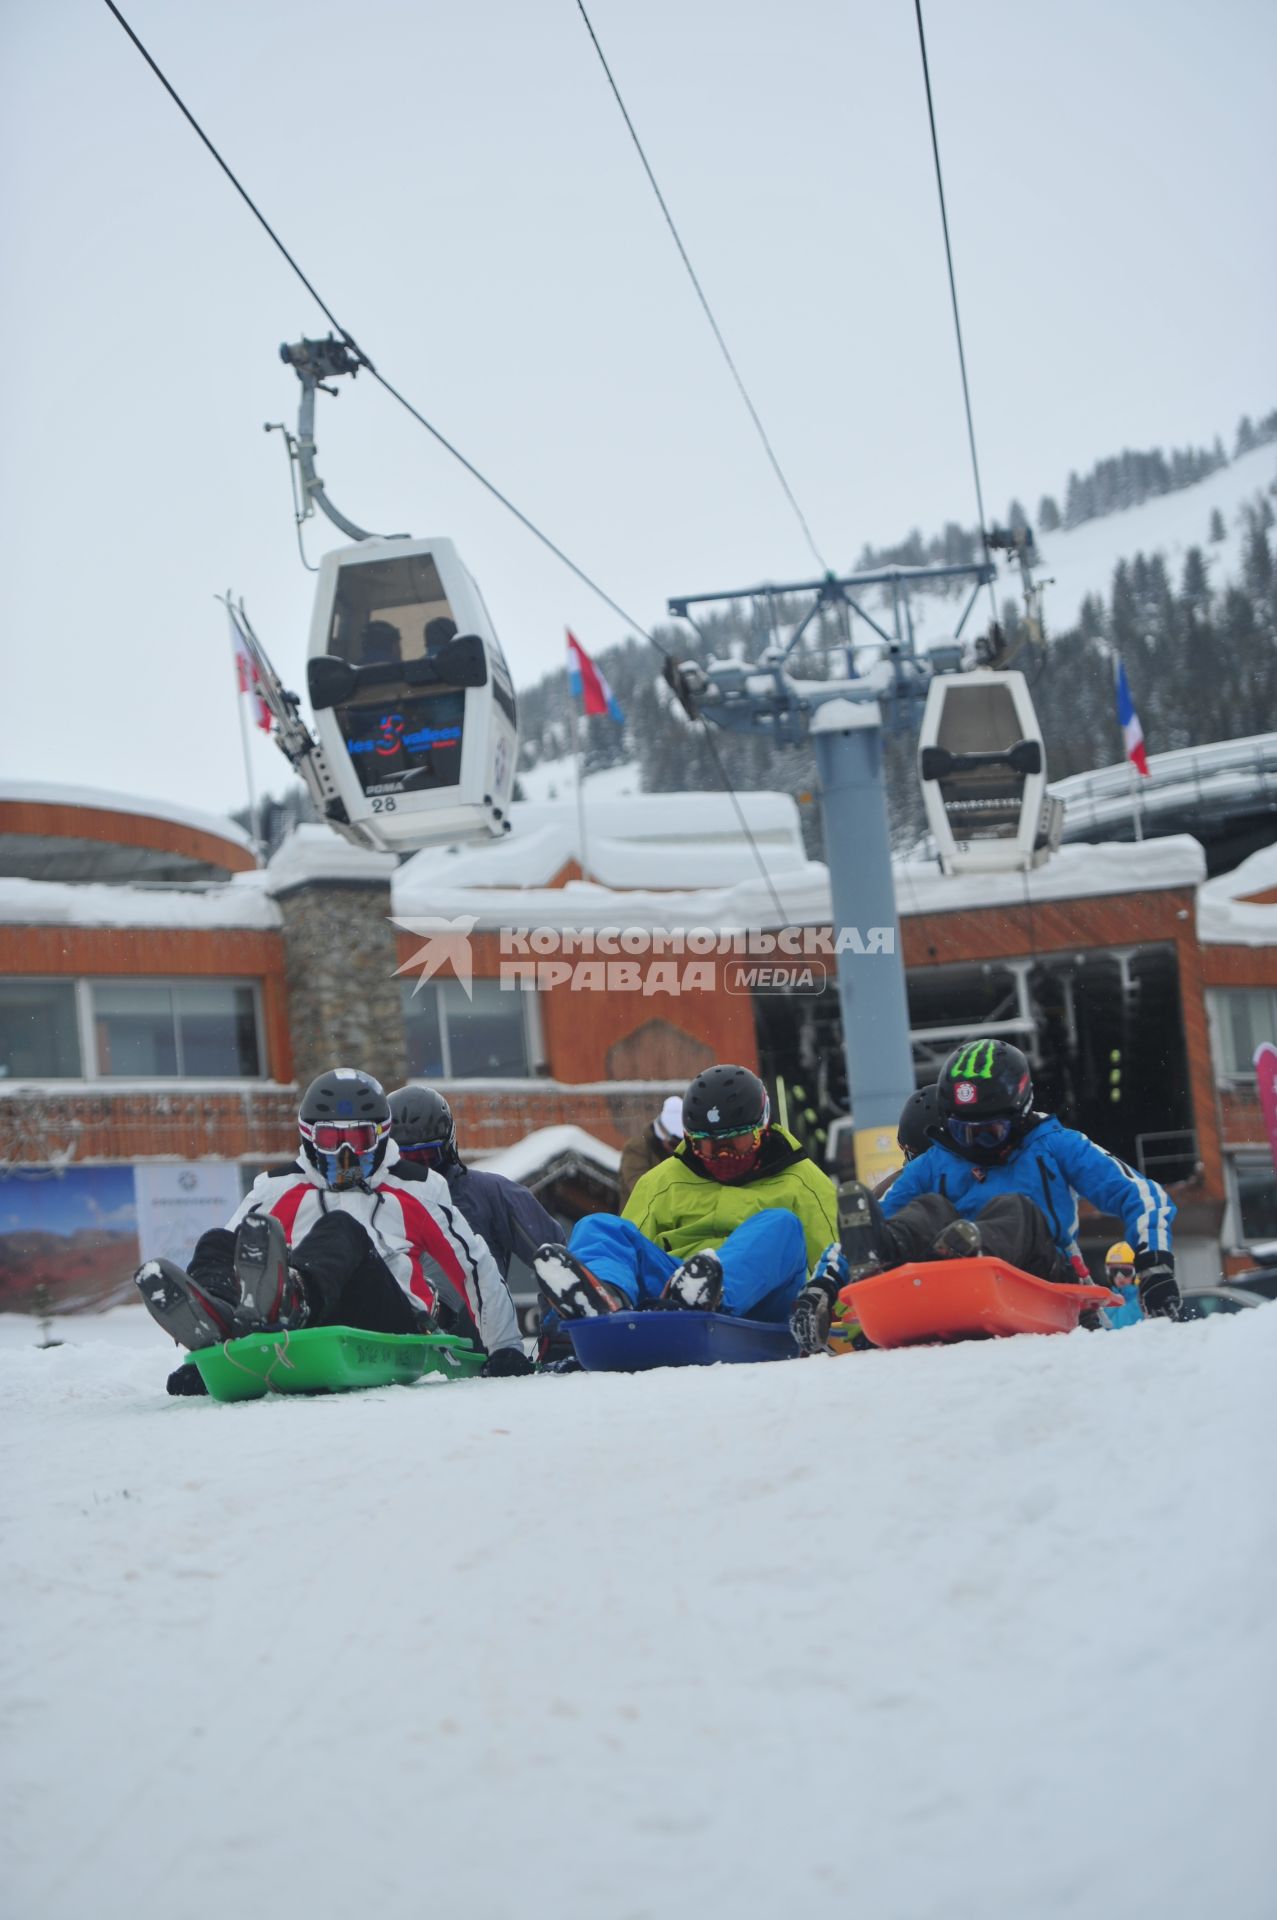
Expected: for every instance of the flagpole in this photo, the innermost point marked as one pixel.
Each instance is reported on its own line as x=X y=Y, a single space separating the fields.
x=254 y=819
x=580 y=795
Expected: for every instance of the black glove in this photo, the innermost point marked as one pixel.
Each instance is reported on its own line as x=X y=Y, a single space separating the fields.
x=1159 y=1289
x=186 y=1381
x=505 y=1363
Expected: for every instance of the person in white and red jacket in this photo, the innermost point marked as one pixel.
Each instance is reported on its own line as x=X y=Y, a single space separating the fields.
x=338 y=1240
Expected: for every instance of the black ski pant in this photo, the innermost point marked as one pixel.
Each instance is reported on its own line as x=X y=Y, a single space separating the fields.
x=1011 y=1227
x=347 y=1282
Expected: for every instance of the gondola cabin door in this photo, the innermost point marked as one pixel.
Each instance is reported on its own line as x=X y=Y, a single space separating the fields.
x=413 y=702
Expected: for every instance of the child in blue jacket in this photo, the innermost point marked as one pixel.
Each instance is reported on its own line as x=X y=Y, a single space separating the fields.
x=1004 y=1180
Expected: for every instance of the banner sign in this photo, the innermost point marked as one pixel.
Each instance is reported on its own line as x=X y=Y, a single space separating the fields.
x=176 y=1204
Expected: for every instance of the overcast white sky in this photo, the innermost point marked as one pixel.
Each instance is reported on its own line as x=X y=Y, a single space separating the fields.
x=457 y=182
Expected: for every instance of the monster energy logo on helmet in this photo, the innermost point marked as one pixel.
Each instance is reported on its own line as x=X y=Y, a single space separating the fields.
x=974 y=1061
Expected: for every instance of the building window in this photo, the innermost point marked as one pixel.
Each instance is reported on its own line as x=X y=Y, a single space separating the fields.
x=1255 y=1185
x=39 y=1030
x=158 y=1030
x=455 y=1037
x=1242 y=1017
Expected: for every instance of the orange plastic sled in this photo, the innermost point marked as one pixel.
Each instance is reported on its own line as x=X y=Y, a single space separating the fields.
x=964 y=1300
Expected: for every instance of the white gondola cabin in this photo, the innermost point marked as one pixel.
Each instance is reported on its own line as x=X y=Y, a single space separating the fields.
x=983 y=770
x=413 y=702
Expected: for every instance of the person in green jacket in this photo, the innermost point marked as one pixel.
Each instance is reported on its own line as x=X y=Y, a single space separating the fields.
x=734 y=1221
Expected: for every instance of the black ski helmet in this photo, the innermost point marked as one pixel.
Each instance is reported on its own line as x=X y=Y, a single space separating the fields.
x=344 y=1099
x=725 y=1100
x=421 y=1119
x=919 y=1115
x=982 y=1083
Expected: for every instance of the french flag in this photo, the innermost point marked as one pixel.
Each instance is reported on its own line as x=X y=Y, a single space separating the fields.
x=1129 y=721
x=588 y=684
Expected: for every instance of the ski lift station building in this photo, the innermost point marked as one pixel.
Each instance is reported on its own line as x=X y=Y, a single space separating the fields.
x=163 y=999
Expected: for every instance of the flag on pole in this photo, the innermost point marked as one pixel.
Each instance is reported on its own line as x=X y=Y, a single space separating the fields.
x=587 y=683
x=1129 y=721
x=249 y=680
x=1266 y=1082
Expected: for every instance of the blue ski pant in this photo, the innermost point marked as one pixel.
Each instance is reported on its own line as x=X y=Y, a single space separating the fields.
x=764 y=1262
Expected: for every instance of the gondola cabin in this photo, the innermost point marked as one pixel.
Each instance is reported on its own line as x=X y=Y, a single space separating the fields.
x=983 y=770
x=414 y=707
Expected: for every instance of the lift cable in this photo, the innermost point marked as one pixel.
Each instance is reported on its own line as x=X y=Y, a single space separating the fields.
x=777 y=469
x=953 y=295
x=354 y=348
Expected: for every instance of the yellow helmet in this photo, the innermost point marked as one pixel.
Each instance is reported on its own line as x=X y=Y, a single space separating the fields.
x=1120 y=1255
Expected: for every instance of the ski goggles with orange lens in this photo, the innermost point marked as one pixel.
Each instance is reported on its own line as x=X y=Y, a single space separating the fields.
x=748 y=1140
x=359 y=1136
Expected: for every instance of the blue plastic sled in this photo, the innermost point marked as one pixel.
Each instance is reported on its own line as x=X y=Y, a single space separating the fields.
x=634 y=1342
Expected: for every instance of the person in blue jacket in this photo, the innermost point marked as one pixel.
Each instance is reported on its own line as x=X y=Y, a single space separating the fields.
x=1004 y=1180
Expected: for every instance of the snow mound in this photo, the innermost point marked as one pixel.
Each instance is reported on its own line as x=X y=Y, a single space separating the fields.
x=937 y=1635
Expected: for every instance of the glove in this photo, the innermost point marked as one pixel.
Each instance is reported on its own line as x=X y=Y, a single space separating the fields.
x=1159 y=1289
x=186 y=1381
x=505 y=1363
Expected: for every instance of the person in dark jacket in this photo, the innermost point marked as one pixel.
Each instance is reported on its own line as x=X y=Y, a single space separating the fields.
x=652 y=1147
x=511 y=1220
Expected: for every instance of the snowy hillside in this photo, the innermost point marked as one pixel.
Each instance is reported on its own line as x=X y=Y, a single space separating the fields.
x=1076 y=563
x=982 y=1633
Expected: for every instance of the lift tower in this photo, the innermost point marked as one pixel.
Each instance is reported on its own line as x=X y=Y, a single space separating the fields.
x=845 y=719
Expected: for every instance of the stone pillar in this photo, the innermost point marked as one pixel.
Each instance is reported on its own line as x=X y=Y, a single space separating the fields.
x=344 y=1000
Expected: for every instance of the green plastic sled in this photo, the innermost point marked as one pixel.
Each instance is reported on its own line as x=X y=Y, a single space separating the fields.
x=330 y=1360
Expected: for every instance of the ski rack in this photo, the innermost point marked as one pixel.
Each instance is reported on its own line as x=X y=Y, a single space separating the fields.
x=291 y=734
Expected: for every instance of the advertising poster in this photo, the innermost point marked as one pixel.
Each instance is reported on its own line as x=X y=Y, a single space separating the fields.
x=68 y=1239
x=176 y=1204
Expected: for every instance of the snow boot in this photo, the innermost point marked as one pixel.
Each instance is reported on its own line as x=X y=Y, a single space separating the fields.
x=194 y=1313
x=271 y=1292
x=571 y=1289
x=697 y=1285
x=960 y=1240
x=862 y=1232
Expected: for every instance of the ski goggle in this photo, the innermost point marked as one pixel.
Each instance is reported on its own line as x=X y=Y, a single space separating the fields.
x=979 y=1133
x=711 y=1145
x=359 y=1137
x=422 y=1149
x=1125 y=1274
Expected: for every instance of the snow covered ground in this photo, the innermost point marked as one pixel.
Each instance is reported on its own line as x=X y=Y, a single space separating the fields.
x=940 y=1635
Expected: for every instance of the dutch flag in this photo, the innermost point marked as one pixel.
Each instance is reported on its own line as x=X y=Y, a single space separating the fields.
x=1129 y=721
x=587 y=683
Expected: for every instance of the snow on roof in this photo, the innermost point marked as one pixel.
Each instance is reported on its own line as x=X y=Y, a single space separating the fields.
x=240 y=902
x=313 y=852
x=543 y=1147
x=49 y=793
x=1075 y=872
x=1226 y=916
x=656 y=840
